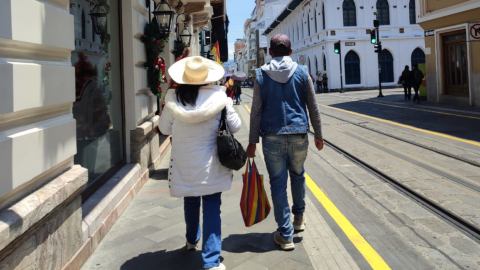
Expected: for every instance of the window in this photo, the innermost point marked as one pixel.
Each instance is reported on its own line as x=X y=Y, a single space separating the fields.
x=316 y=24
x=352 y=68
x=98 y=107
x=383 y=10
x=298 y=33
x=413 y=15
x=349 y=13
x=303 y=28
x=84 y=30
x=316 y=65
x=308 y=23
x=324 y=63
x=418 y=56
x=323 y=16
x=386 y=64
x=93 y=33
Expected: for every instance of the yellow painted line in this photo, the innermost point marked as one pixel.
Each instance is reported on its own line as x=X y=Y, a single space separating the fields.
x=248 y=109
x=406 y=126
x=372 y=257
x=421 y=110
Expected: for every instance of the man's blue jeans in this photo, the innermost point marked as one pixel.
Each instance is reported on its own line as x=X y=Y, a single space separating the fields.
x=212 y=226
x=286 y=154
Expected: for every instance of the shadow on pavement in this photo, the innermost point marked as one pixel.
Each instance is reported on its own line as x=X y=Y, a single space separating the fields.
x=461 y=127
x=175 y=259
x=161 y=174
x=252 y=242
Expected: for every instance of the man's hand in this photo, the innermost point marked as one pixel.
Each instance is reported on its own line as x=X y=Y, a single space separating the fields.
x=251 y=150
x=318 y=144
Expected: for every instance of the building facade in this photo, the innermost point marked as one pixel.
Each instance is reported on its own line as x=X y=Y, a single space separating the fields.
x=78 y=119
x=452 y=40
x=263 y=14
x=315 y=25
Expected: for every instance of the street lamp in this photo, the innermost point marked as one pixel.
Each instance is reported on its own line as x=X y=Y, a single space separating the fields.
x=185 y=36
x=164 y=16
x=99 y=17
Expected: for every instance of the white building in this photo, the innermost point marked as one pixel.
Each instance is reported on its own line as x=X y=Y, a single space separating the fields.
x=263 y=14
x=315 y=25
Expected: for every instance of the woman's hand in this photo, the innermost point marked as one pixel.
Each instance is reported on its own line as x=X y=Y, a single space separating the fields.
x=252 y=147
x=319 y=144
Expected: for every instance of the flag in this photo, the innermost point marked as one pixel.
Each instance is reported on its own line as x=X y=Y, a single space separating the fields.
x=216 y=51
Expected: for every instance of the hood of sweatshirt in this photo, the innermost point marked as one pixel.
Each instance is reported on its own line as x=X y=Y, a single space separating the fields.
x=280 y=69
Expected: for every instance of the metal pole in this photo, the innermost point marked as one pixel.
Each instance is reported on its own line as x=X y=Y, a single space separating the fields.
x=341 y=69
x=379 y=66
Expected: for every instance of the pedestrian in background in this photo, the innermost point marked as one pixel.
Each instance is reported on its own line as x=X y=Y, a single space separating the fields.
x=406 y=79
x=237 y=91
x=417 y=81
x=325 y=83
x=319 y=82
x=229 y=87
x=281 y=118
x=192 y=117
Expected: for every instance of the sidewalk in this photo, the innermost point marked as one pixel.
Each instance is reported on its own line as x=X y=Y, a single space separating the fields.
x=150 y=233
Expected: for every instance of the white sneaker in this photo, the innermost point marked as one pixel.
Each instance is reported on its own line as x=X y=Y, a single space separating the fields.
x=191 y=247
x=299 y=224
x=219 y=267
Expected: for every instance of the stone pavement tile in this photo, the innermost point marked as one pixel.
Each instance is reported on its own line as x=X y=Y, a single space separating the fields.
x=465 y=246
x=463 y=210
x=435 y=226
x=290 y=264
x=439 y=260
x=411 y=209
x=249 y=265
x=460 y=258
x=146 y=212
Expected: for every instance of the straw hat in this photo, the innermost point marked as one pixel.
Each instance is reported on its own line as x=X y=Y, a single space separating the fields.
x=196 y=70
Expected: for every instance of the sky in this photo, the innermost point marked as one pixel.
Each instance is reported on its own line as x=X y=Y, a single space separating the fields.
x=238 y=12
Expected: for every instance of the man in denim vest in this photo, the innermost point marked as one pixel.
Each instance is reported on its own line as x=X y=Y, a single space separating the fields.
x=282 y=93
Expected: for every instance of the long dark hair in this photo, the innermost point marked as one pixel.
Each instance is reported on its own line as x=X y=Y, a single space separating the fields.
x=187 y=94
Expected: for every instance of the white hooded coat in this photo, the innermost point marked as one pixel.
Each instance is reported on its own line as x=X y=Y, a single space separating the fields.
x=194 y=166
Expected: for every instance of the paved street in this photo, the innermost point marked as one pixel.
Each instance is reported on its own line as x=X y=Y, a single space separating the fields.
x=396 y=230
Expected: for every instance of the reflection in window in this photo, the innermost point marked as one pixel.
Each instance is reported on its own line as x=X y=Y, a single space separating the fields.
x=98 y=106
x=383 y=10
x=349 y=13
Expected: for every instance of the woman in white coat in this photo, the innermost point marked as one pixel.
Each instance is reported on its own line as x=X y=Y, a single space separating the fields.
x=192 y=116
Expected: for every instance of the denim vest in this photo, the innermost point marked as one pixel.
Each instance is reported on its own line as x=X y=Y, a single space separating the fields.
x=284 y=104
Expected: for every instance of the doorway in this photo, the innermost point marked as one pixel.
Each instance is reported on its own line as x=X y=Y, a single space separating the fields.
x=455 y=65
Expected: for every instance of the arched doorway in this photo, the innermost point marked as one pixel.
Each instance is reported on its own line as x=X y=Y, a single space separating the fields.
x=352 y=68
x=386 y=64
x=418 y=56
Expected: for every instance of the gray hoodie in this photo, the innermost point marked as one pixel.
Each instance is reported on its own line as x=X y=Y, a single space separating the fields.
x=280 y=69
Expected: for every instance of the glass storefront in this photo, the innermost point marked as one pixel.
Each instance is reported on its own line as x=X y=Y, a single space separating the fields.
x=98 y=89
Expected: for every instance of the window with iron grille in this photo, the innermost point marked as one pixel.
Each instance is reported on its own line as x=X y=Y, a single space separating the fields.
x=413 y=15
x=386 y=64
x=352 y=68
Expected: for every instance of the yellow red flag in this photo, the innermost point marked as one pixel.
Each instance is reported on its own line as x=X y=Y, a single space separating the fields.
x=216 y=51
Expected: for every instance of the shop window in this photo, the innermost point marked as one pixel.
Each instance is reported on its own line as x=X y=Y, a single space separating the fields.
x=418 y=56
x=98 y=108
x=413 y=15
x=349 y=13
x=455 y=65
x=383 y=10
x=352 y=68
x=386 y=65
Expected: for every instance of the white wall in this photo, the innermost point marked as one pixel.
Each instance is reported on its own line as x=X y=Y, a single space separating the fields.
x=401 y=45
x=37 y=89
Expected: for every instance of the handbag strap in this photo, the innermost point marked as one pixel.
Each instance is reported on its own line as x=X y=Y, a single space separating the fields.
x=223 y=121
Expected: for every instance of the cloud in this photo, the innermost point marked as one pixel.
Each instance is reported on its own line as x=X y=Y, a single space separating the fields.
x=231 y=50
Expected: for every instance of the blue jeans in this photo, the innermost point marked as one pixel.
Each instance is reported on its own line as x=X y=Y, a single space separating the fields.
x=286 y=154
x=237 y=98
x=212 y=226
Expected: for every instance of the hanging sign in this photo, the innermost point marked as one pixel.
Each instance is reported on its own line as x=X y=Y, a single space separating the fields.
x=474 y=31
x=429 y=33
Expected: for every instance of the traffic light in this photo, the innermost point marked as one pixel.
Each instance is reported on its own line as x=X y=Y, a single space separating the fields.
x=336 y=47
x=373 y=36
x=208 y=38
x=378 y=48
x=376 y=23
